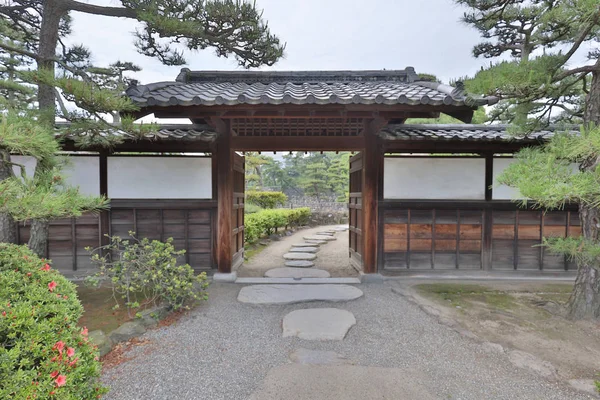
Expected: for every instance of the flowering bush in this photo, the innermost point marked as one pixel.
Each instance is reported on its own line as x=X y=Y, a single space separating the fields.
x=267 y=221
x=144 y=272
x=43 y=353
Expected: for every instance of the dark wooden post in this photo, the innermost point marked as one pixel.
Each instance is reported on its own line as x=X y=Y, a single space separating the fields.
x=104 y=215
x=488 y=218
x=224 y=157
x=370 y=196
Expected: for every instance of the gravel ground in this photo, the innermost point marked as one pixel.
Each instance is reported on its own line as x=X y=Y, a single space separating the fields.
x=332 y=256
x=224 y=350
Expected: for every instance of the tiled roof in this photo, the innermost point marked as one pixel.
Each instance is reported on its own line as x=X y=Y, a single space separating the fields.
x=312 y=87
x=462 y=132
x=195 y=132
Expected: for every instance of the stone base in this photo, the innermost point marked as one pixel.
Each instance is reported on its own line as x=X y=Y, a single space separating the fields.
x=221 y=277
x=371 y=278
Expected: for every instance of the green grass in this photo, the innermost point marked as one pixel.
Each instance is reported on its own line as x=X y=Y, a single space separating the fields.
x=98 y=311
x=461 y=295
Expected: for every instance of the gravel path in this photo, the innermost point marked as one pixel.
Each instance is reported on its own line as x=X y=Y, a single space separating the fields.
x=224 y=350
x=332 y=256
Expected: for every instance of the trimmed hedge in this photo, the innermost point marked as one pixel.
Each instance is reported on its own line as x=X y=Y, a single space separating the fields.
x=44 y=354
x=264 y=223
x=266 y=199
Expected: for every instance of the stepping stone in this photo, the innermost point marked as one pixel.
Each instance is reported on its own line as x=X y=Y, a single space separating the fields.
x=307 y=244
x=341 y=228
x=327 y=233
x=319 y=237
x=292 y=294
x=288 y=272
x=316 y=242
x=304 y=249
x=299 y=264
x=299 y=256
x=317 y=357
x=318 y=324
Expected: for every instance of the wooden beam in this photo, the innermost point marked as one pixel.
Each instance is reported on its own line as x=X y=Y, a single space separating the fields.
x=371 y=165
x=153 y=146
x=458 y=146
x=224 y=196
x=297 y=143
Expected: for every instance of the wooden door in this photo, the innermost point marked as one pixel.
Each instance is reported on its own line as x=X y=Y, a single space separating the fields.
x=355 y=210
x=237 y=223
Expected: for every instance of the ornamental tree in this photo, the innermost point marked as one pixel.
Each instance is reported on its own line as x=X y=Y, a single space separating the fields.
x=537 y=85
x=90 y=96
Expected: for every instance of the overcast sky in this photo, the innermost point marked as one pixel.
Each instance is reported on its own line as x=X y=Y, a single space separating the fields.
x=320 y=35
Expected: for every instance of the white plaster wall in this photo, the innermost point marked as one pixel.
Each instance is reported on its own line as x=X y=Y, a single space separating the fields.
x=503 y=192
x=434 y=178
x=159 y=178
x=29 y=163
x=83 y=171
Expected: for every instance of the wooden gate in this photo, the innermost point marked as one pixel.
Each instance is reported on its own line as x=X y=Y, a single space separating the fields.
x=237 y=223
x=355 y=210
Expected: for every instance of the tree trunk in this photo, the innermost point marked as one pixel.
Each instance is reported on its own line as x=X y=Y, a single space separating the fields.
x=585 y=299
x=8 y=229
x=52 y=13
x=38 y=237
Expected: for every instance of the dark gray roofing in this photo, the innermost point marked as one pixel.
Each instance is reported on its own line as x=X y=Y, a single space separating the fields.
x=464 y=132
x=191 y=132
x=311 y=87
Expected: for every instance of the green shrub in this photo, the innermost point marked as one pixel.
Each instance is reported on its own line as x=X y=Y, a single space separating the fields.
x=250 y=208
x=264 y=223
x=147 y=271
x=43 y=353
x=266 y=199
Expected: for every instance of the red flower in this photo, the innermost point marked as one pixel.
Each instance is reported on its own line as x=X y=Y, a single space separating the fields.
x=4 y=313
x=46 y=267
x=61 y=380
x=70 y=352
x=54 y=374
x=51 y=286
x=60 y=345
x=84 y=331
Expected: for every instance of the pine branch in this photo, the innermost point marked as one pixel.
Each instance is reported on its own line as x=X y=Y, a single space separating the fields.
x=119 y=12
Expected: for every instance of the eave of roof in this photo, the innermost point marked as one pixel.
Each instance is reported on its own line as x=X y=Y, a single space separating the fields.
x=466 y=132
x=209 y=88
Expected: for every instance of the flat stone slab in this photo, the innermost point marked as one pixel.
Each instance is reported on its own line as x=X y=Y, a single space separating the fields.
x=326 y=233
x=349 y=382
x=317 y=357
x=292 y=294
x=288 y=272
x=306 y=244
x=261 y=280
x=299 y=256
x=316 y=242
x=318 y=324
x=299 y=264
x=304 y=249
x=319 y=237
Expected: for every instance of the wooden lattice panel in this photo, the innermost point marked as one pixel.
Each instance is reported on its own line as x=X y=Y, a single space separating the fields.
x=297 y=126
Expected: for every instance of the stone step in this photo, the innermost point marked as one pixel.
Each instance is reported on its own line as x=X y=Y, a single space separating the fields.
x=289 y=272
x=292 y=294
x=304 y=249
x=306 y=244
x=300 y=256
x=297 y=281
x=326 y=233
x=316 y=242
x=299 y=264
x=319 y=237
x=318 y=324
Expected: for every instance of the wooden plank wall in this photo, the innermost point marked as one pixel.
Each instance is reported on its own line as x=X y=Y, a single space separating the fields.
x=189 y=223
x=444 y=237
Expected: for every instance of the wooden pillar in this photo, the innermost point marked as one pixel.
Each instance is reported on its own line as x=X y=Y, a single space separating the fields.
x=488 y=218
x=104 y=215
x=224 y=157
x=371 y=176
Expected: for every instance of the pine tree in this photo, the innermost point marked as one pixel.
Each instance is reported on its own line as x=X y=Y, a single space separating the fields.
x=537 y=83
x=232 y=28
